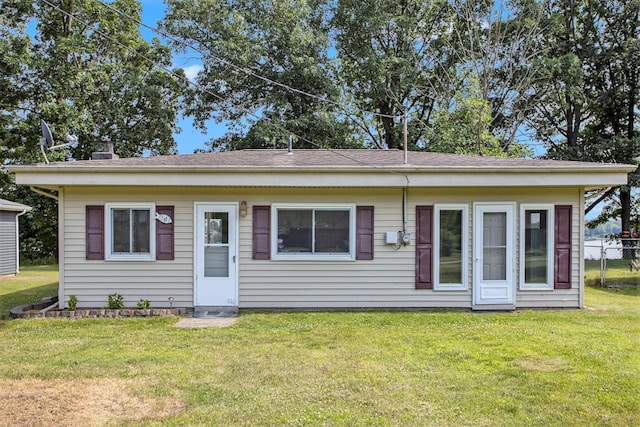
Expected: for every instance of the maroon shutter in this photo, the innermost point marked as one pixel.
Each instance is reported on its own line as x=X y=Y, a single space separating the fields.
x=261 y=232
x=164 y=234
x=364 y=232
x=562 y=270
x=94 y=232
x=424 y=247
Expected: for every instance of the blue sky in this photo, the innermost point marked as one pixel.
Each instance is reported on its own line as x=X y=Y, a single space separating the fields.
x=190 y=138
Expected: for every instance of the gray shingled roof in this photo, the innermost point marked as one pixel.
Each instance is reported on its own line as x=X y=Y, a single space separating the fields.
x=325 y=159
x=6 y=205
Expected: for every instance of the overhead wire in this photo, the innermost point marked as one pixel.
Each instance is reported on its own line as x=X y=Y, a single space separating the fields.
x=254 y=74
x=182 y=77
x=244 y=70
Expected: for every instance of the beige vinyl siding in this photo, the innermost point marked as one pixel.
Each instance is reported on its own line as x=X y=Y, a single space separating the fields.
x=92 y=281
x=386 y=281
x=7 y=242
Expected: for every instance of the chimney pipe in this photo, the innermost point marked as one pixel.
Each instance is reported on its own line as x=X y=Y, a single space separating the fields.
x=105 y=152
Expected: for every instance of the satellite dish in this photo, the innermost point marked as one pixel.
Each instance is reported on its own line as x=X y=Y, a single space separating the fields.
x=46 y=134
x=47 y=140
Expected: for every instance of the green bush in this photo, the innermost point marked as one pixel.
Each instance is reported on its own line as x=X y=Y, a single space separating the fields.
x=143 y=304
x=116 y=301
x=73 y=302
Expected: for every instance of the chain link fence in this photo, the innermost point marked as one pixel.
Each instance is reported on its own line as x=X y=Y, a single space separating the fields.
x=616 y=261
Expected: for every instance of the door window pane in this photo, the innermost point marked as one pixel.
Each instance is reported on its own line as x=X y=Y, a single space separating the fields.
x=494 y=251
x=536 y=246
x=332 y=231
x=450 y=260
x=216 y=261
x=216 y=228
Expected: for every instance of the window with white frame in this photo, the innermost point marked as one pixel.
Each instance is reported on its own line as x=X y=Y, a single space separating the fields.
x=536 y=247
x=313 y=232
x=451 y=247
x=130 y=232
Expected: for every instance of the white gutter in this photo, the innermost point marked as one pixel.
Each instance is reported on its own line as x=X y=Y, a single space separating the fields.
x=43 y=193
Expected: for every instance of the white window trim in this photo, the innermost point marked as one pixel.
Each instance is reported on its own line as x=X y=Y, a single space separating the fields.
x=109 y=255
x=437 y=286
x=292 y=256
x=550 y=238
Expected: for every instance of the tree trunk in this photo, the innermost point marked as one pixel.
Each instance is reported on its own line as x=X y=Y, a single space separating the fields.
x=625 y=215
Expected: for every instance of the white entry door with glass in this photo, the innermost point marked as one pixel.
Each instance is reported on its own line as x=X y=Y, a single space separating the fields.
x=494 y=254
x=215 y=255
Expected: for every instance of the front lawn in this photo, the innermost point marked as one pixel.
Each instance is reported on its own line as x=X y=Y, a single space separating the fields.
x=32 y=284
x=576 y=367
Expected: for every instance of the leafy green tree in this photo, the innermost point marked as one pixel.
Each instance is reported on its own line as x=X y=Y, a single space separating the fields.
x=464 y=128
x=86 y=71
x=587 y=96
x=390 y=55
x=246 y=46
x=495 y=43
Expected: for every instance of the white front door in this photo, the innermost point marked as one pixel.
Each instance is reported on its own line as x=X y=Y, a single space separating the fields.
x=216 y=239
x=493 y=275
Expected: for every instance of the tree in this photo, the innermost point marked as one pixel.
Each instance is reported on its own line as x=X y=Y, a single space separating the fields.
x=495 y=44
x=258 y=59
x=587 y=99
x=86 y=71
x=389 y=57
x=465 y=127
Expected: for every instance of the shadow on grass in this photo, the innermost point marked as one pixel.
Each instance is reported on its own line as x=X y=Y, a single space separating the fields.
x=631 y=291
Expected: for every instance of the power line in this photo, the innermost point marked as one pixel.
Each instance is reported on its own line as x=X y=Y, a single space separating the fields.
x=171 y=72
x=241 y=69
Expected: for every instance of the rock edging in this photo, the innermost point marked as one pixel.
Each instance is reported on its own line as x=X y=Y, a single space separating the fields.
x=32 y=311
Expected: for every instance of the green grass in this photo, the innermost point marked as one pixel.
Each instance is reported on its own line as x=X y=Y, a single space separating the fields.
x=444 y=368
x=30 y=285
x=617 y=273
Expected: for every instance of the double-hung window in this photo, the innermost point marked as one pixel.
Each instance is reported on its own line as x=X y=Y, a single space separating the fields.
x=451 y=247
x=536 y=247
x=130 y=232
x=313 y=232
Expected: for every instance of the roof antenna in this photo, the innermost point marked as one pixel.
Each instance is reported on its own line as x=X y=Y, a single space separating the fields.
x=47 y=141
x=290 y=145
x=405 y=132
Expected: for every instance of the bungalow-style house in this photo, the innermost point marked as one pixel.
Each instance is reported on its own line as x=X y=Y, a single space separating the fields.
x=9 y=246
x=322 y=229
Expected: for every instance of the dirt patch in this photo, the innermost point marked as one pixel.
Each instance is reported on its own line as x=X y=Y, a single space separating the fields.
x=79 y=402
x=543 y=363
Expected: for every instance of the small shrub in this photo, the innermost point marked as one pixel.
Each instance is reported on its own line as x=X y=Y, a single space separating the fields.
x=116 y=301
x=143 y=304
x=73 y=302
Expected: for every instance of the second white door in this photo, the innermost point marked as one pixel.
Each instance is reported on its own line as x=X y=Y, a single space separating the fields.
x=494 y=243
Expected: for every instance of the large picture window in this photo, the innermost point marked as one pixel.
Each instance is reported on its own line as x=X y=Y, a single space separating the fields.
x=313 y=232
x=536 y=247
x=451 y=248
x=130 y=232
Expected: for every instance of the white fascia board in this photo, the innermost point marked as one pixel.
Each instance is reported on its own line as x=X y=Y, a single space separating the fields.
x=467 y=178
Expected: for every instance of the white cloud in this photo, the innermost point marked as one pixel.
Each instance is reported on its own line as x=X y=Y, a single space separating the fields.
x=191 y=71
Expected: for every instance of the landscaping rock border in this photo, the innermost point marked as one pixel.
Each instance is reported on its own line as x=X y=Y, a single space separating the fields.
x=33 y=311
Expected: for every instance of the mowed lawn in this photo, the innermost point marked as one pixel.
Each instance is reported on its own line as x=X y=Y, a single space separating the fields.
x=442 y=368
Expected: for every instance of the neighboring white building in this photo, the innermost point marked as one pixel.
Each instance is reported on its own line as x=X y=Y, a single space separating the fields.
x=323 y=229
x=9 y=242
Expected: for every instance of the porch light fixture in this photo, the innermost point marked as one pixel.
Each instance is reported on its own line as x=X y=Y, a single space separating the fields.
x=243 y=208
